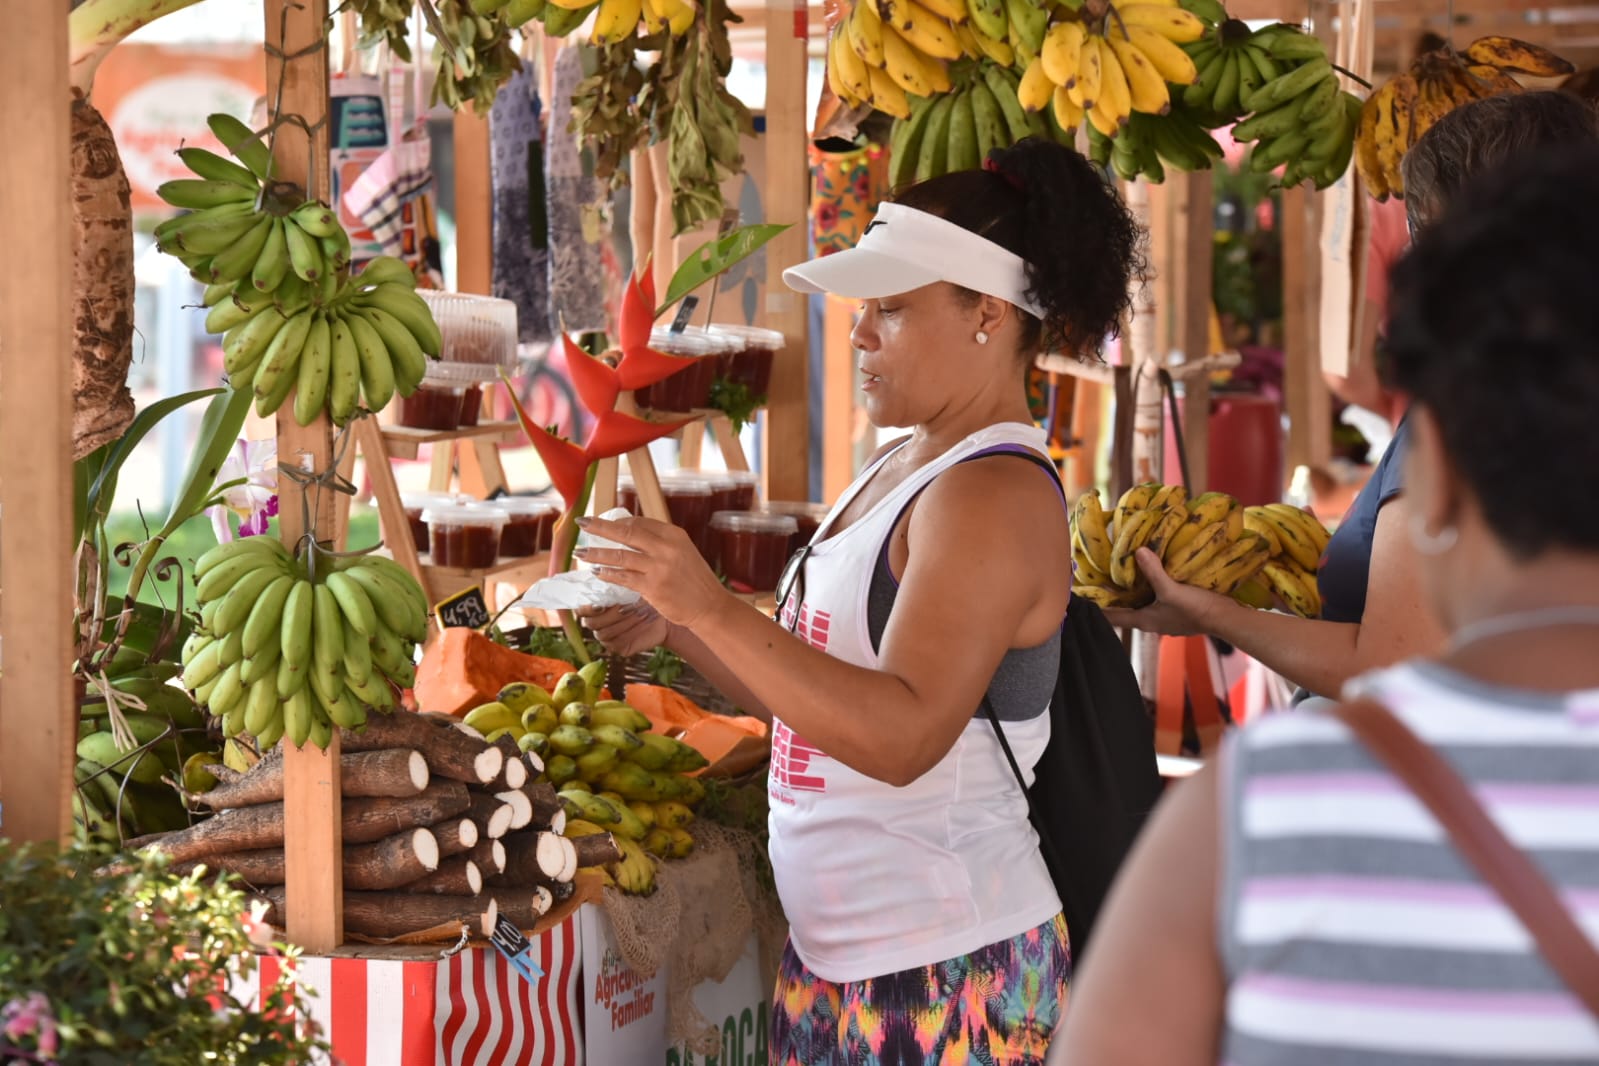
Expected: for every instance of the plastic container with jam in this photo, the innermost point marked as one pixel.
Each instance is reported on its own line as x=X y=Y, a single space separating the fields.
x=529 y=526
x=627 y=494
x=752 y=549
x=808 y=516
x=471 y=404
x=414 y=504
x=750 y=364
x=467 y=537
x=689 y=503
x=690 y=387
x=435 y=405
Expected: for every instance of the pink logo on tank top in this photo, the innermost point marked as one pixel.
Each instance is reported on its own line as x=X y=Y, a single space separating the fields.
x=793 y=764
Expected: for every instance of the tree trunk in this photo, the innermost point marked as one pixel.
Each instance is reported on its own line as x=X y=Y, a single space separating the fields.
x=102 y=284
x=493 y=816
x=513 y=774
x=524 y=906
x=597 y=849
x=534 y=858
x=385 y=915
x=456 y=838
x=392 y=773
x=489 y=856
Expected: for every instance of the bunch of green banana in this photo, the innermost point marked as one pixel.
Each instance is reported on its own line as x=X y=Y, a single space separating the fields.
x=371 y=340
x=956 y=130
x=1302 y=120
x=246 y=236
x=1297 y=541
x=1149 y=143
x=136 y=732
x=279 y=654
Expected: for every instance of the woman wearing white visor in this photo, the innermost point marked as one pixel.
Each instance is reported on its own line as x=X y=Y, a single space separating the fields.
x=924 y=927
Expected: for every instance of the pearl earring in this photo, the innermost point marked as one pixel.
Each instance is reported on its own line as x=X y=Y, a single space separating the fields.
x=982 y=338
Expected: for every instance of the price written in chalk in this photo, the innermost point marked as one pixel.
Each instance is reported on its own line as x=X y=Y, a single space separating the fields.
x=466 y=609
x=516 y=948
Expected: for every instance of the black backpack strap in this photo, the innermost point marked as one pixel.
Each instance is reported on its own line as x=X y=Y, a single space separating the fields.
x=1045 y=845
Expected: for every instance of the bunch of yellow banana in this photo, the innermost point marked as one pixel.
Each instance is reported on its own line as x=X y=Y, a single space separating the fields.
x=956 y=130
x=1297 y=541
x=618 y=20
x=136 y=733
x=1407 y=105
x=278 y=653
x=1201 y=542
x=884 y=51
x=246 y=236
x=372 y=339
x=634 y=872
x=1107 y=69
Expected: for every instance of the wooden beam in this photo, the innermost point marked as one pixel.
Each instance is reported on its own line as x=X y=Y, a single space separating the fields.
x=38 y=715
x=1193 y=228
x=312 y=834
x=1309 y=408
x=788 y=433
x=474 y=205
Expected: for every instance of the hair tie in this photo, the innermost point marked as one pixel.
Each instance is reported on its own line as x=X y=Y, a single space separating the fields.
x=993 y=166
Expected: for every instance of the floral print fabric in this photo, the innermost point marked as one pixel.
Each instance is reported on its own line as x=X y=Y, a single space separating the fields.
x=846 y=188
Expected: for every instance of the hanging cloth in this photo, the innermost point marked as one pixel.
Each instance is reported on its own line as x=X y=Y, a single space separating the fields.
x=574 y=198
x=521 y=238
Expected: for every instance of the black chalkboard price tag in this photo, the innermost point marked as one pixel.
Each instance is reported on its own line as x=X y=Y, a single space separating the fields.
x=466 y=609
x=685 y=311
x=516 y=948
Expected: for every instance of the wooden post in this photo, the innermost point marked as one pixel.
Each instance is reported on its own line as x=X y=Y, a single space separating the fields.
x=1309 y=409
x=1191 y=307
x=1141 y=351
x=474 y=205
x=38 y=725
x=312 y=835
x=788 y=433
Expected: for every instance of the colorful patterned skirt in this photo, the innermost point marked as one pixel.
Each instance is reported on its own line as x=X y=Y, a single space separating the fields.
x=995 y=1007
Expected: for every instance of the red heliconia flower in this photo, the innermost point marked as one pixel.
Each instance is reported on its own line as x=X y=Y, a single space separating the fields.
x=598 y=384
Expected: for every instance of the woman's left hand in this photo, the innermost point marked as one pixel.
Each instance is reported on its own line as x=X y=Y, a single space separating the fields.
x=663 y=566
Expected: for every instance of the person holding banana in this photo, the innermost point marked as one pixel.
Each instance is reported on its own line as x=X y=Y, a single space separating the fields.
x=924 y=926
x=1373 y=613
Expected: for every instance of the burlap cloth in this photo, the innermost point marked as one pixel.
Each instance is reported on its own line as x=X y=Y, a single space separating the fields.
x=697 y=923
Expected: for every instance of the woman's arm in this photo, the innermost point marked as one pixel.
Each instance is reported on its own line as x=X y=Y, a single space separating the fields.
x=1318 y=655
x=1152 y=991
x=963 y=599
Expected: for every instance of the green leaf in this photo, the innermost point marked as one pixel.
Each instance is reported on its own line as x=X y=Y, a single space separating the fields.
x=219 y=432
x=102 y=490
x=716 y=257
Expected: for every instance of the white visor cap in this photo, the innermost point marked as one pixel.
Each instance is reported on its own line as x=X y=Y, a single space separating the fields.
x=904 y=249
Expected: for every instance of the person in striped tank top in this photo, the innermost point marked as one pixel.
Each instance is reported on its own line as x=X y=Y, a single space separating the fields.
x=1294 y=903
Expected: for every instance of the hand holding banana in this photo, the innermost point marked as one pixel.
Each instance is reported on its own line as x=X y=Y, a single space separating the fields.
x=1157 y=545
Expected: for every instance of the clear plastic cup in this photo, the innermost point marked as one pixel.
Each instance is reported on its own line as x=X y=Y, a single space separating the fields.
x=689 y=503
x=433 y=406
x=627 y=493
x=529 y=526
x=750 y=364
x=689 y=388
x=466 y=536
x=414 y=504
x=752 y=549
x=808 y=517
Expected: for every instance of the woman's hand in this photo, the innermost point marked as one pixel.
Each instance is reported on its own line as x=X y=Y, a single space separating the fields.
x=1179 y=610
x=663 y=566
x=638 y=627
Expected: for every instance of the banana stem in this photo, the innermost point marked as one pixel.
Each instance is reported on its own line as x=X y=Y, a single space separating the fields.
x=561 y=561
x=97 y=26
x=1352 y=76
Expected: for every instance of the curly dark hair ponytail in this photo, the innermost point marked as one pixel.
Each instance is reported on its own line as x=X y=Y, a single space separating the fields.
x=1052 y=207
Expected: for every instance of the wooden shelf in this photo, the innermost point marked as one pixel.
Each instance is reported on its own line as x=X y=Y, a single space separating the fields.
x=403 y=441
x=442 y=581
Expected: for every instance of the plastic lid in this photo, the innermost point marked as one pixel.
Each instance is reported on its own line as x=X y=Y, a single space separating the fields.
x=686 y=486
x=717 y=479
x=751 y=336
x=752 y=522
x=414 y=500
x=519 y=505
x=742 y=477
x=478 y=513
x=793 y=507
x=692 y=342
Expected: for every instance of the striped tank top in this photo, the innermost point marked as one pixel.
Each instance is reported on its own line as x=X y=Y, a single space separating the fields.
x=1351 y=931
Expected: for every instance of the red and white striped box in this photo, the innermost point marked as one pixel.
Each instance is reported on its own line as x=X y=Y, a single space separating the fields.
x=408 y=1007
